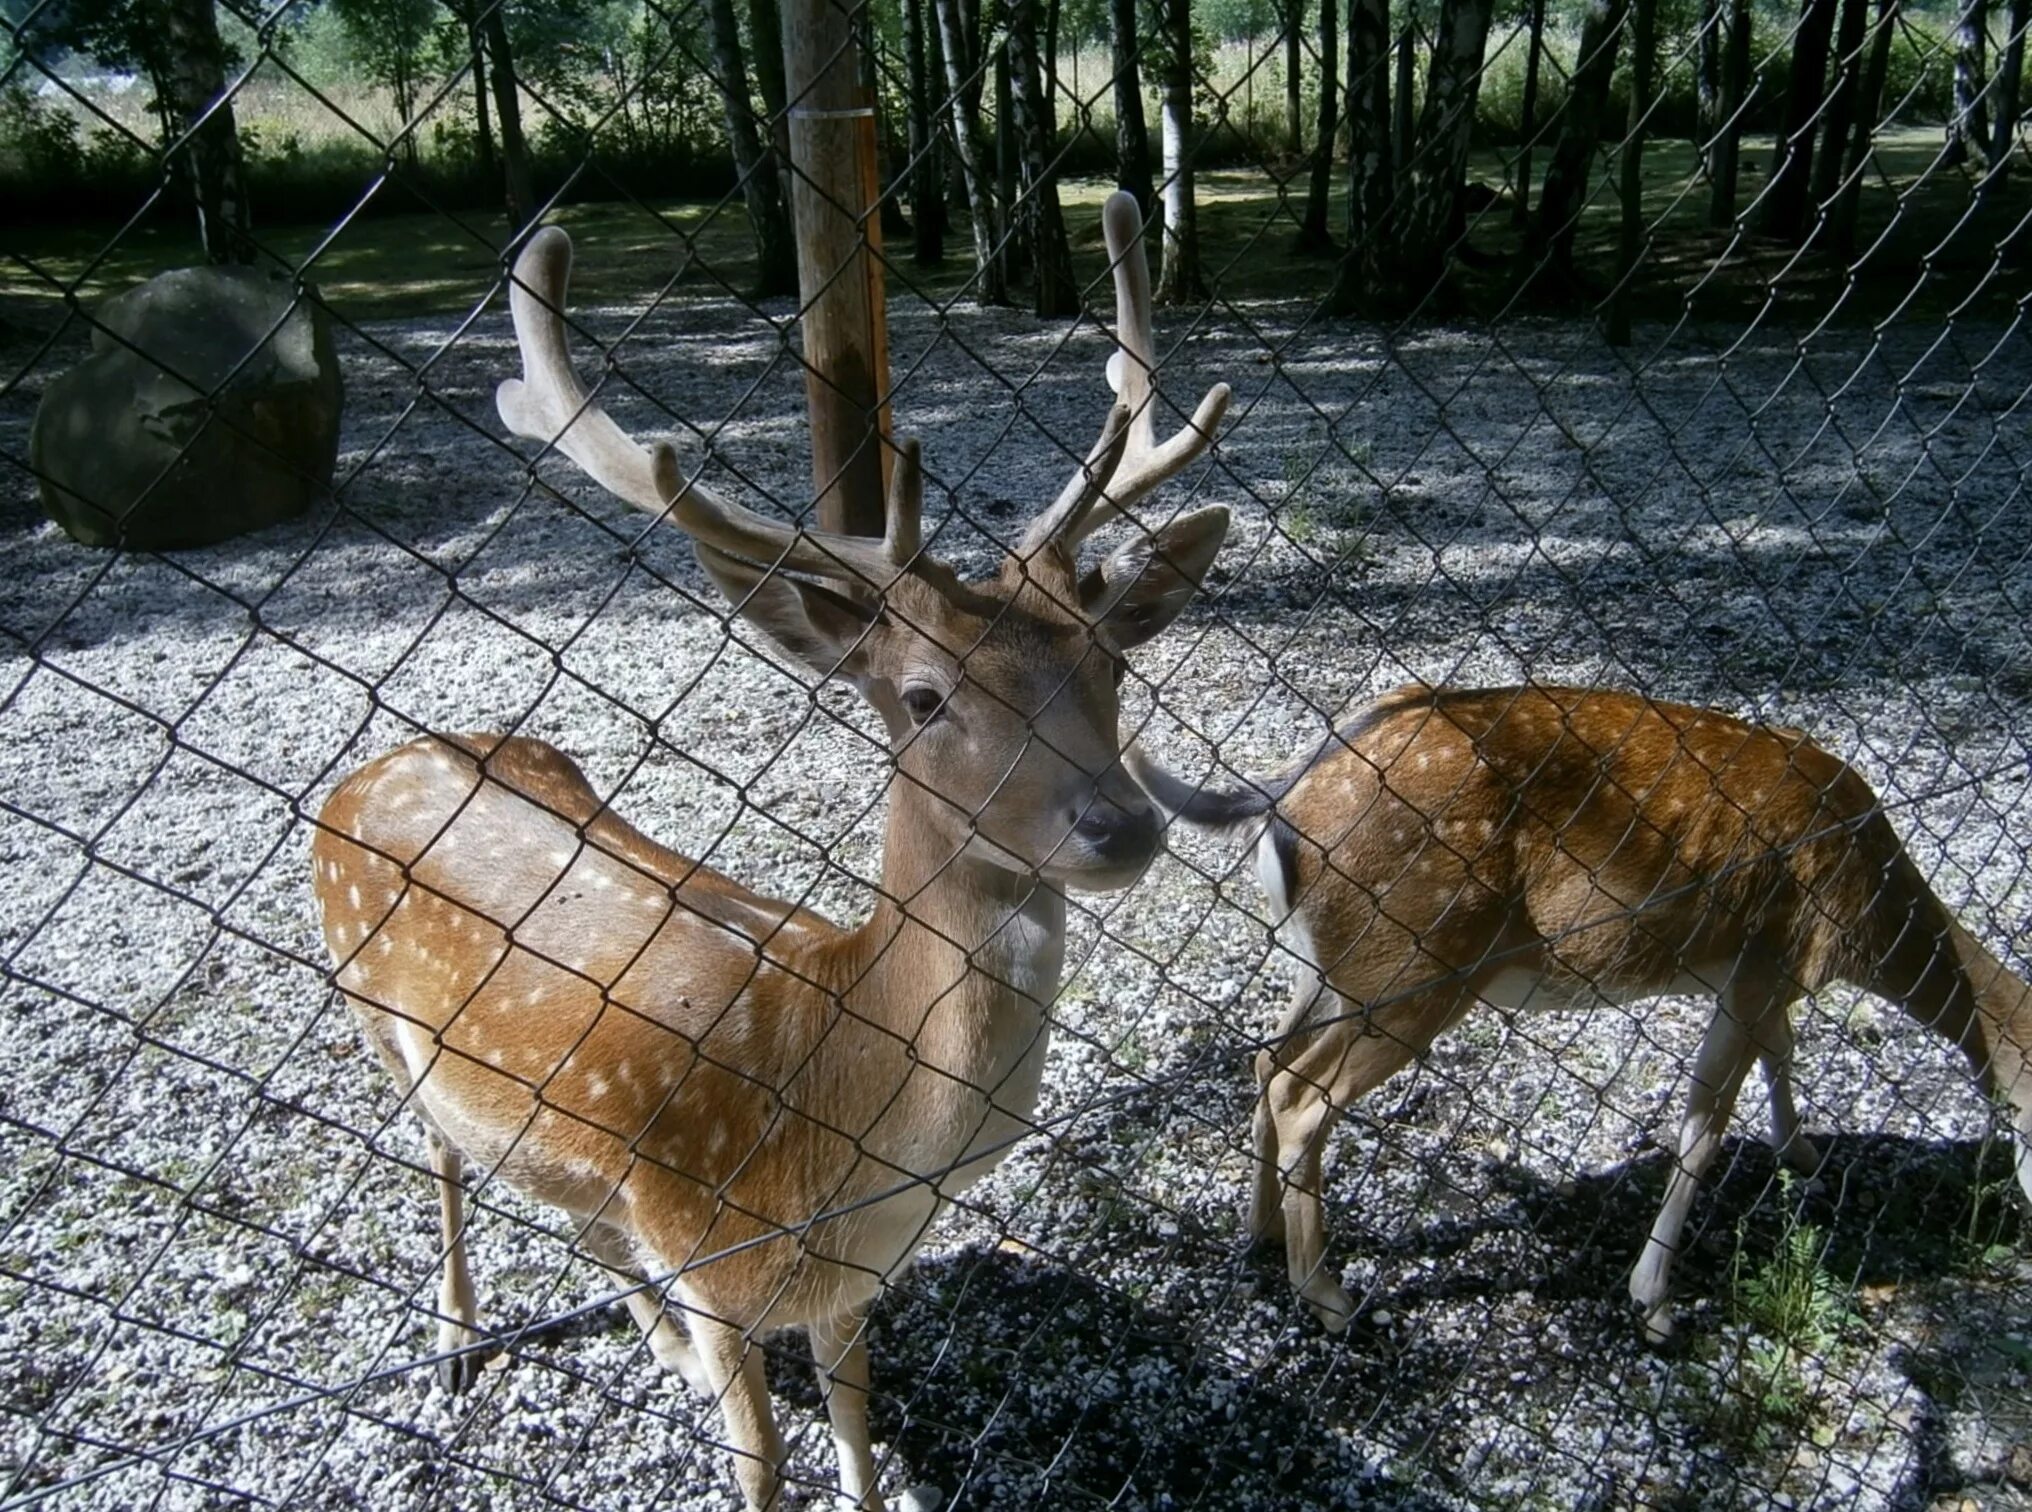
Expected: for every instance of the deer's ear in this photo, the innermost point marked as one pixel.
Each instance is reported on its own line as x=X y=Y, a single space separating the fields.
x=825 y=629
x=1141 y=587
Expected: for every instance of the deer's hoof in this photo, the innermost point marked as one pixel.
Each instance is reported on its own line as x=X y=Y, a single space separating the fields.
x=1656 y=1323
x=1329 y=1302
x=461 y=1372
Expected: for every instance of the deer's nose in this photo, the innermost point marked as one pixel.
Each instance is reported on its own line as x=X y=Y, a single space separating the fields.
x=1116 y=833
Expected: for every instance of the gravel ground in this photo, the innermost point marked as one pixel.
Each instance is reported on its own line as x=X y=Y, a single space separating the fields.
x=216 y=1246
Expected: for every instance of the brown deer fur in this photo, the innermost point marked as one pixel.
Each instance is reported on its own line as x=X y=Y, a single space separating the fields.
x=1551 y=847
x=723 y=1089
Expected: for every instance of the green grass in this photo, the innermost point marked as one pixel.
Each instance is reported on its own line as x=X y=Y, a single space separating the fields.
x=1929 y=253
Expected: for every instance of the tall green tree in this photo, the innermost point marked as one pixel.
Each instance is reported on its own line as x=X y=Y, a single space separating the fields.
x=389 y=41
x=177 y=47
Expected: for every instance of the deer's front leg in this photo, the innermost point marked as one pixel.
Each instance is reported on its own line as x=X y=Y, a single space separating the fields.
x=733 y=1367
x=839 y=1347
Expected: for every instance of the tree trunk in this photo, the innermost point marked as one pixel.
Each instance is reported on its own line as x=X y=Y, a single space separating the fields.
x=1438 y=166
x=1371 y=173
x=1014 y=247
x=1841 y=107
x=1785 y=199
x=1725 y=154
x=483 y=121
x=1564 y=193
x=989 y=286
x=1643 y=56
x=927 y=210
x=1863 y=138
x=1402 y=117
x=1313 y=234
x=1707 y=78
x=1179 y=280
x=1132 y=135
x=521 y=188
x=754 y=163
x=1968 y=130
x=2009 y=84
x=1051 y=254
x=1294 y=77
x=1520 y=208
x=196 y=102
x=765 y=36
x=1053 y=14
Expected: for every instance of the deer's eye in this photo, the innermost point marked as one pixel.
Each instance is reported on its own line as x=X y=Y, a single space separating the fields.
x=922 y=703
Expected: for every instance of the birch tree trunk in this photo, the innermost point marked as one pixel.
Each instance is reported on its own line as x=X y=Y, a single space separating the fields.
x=1786 y=197
x=1725 y=155
x=1132 y=135
x=1862 y=139
x=754 y=162
x=1371 y=172
x=1294 y=76
x=989 y=286
x=1438 y=166
x=1520 y=208
x=1630 y=250
x=1549 y=245
x=2008 y=89
x=1178 y=280
x=1968 y=130
x=199 y=110
x=1707 y=78
x=1313 y=234
x=1051 y=255
x=1841 y=107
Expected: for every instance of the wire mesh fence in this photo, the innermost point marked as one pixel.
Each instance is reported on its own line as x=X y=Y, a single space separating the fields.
x=1690 y=368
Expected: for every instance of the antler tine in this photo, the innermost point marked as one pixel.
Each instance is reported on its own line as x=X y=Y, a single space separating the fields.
x=1132 y=374
x=549 y=404
x=903 y=521
x=1085 y=487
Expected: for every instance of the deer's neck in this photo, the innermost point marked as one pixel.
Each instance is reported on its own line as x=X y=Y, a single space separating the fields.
x=957 y=949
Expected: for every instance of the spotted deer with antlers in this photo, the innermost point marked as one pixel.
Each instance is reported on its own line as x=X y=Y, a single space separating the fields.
x=1552 y=848
x=722 y=1088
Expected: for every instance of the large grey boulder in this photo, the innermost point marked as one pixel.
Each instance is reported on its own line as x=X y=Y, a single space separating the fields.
x=209 y=406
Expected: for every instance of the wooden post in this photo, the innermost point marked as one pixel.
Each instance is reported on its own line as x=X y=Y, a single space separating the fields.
x=839 y=267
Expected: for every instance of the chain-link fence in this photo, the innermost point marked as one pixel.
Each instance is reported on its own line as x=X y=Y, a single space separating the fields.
x=1675 y=351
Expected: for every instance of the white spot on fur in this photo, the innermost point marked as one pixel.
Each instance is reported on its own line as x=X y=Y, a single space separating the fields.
x=597 y=1086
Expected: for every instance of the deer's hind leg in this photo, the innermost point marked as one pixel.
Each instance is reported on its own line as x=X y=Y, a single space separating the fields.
x=1318 y=1076
x=1793 y=1149
x=667 y=1341
x=458 y=1312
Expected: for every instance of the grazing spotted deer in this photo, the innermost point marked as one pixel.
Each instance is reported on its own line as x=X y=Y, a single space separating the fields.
x=714 y=1084
x=1548 y=848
